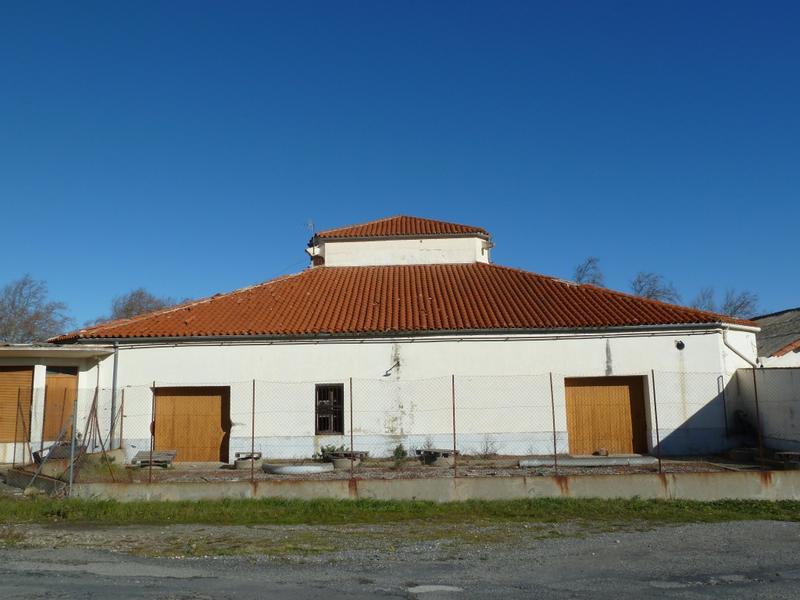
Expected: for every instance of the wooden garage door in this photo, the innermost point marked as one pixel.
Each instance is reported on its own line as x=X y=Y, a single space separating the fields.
x=193 y=421
x=15 y=389
x=61 y=386
x=606 y=413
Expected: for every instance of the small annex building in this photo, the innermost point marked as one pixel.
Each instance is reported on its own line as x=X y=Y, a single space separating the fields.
x=400 y=314
x=779 y=338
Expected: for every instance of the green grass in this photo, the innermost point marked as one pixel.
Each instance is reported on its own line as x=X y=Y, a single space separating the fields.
x=339 y=512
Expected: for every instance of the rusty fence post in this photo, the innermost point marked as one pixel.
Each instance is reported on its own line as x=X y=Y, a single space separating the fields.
x=759 y=434
x=655 y=416
x=44 y=417
x=253 y=435
x=16 y=429
x=72 y=443
x=553 y=416
x=152 y=431
x=721 y=392
x=352 y=448
x=121 y=415
x=455 y=445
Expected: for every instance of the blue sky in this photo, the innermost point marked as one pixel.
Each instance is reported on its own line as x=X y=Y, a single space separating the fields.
x=184 y=146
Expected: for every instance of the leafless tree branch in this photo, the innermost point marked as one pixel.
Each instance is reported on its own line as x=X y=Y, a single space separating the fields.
x=27 y=316
x=654 y=287
x=589 y=272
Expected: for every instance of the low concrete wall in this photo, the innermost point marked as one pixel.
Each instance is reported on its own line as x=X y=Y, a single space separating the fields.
x=765 y=485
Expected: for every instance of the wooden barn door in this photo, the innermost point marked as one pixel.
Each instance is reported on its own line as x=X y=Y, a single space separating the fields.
x=606 y=413
x=16 y=385
x=194 y=421
x=61 y=387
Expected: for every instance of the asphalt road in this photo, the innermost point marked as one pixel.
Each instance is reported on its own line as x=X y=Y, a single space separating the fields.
x=730 y=560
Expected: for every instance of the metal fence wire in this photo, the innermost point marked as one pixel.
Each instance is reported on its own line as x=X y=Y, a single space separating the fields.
x=466 y=419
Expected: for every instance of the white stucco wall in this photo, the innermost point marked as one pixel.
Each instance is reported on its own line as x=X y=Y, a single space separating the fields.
x=790 y=359
x=778 y=413
x=502 y=388
x=422 y=251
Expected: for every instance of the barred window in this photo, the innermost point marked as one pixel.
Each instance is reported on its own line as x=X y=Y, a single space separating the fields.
x=330 y=409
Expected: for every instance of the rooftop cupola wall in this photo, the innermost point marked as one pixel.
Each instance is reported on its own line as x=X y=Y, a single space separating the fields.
x=400 y=240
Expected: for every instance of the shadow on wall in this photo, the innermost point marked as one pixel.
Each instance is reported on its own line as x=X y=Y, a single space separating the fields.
x=777 y=391
x=701 y=413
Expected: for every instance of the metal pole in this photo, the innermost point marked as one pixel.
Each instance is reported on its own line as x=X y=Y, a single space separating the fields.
x=44 y=417
x=113 y=394
x=455 y=446
x=655 y=415
x=721 y=391
x=121 y=417
x=553 y=415
x=152 y=432
x=253 y=436
x=16 y=427
x=352 y=448
x=758 y=417
x=72 y=444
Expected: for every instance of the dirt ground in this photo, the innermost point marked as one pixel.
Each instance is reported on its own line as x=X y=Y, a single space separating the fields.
x=467 y=467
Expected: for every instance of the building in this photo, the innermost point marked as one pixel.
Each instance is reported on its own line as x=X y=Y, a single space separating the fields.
x=779 y=338
x=403 y=315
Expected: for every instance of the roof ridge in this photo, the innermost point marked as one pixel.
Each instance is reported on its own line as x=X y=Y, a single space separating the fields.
x=351 y=225
x=776 y=313
x=364 y=224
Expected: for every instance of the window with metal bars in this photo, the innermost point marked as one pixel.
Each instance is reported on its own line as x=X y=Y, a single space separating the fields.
x=329 y=409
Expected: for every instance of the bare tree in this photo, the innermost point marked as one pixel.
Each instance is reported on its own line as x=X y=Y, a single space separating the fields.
x=589 y=272
x=654 y=287
x=705 y=300
x=27 y=316
x=134 y=303
x=741 y=305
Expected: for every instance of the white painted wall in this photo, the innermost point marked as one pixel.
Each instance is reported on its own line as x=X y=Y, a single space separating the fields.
x=790 y=359
x=744 y=342
x=422 y=251
x=778 y=404
x=502 y=388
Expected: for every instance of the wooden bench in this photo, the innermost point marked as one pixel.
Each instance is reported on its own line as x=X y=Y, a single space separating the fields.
x=248 y=456
x=350 y=454
x=160 y=458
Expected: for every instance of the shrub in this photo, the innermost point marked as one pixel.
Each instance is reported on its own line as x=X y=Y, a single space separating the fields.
x=400 y=452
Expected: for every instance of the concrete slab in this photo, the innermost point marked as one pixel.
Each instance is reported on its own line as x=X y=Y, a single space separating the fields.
x=590 y=461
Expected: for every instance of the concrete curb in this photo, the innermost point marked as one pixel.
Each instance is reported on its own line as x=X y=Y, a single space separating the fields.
x=764 y=485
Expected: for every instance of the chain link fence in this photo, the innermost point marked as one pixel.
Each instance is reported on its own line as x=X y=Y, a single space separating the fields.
x=553 y=416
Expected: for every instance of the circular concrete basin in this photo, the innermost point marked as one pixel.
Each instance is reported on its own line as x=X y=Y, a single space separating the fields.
x=297 y=469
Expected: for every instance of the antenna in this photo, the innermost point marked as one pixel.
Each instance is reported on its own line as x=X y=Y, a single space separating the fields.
x=310 y=226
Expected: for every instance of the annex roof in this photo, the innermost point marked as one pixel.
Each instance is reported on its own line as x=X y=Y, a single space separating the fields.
x=780 y=332
x=401 y=299
x=401 y=226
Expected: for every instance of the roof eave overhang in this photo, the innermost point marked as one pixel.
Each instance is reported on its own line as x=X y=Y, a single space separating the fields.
x=460 y=333
x=90 y=349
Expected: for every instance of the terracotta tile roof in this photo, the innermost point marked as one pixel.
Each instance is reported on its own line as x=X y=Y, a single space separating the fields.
x=401 y=299
x=401 y=226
